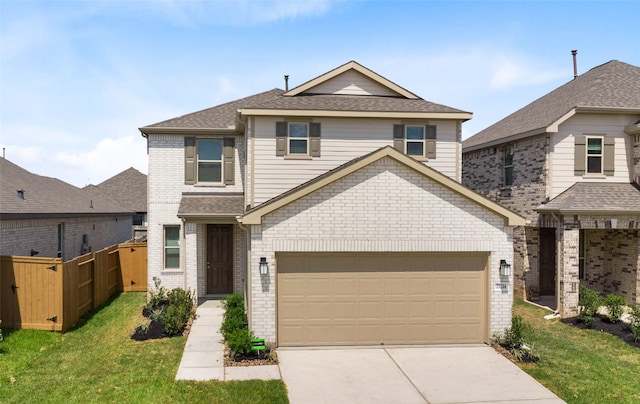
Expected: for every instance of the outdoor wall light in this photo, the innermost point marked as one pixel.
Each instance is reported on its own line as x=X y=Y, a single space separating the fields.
x=505 y=269
x=264 y=267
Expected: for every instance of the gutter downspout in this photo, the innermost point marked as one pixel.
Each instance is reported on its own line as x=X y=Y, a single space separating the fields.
x=558 y=257
x=247 y=284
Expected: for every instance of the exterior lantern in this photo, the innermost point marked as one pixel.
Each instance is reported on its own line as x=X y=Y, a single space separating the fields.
x=505 y=268
x=264 y=267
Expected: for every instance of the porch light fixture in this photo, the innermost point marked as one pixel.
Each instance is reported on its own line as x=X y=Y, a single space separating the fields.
x=264 y=267
x=505 y=269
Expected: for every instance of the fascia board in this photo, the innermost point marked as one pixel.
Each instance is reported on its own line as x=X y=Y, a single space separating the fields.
x=464 y=116
x=188 y=131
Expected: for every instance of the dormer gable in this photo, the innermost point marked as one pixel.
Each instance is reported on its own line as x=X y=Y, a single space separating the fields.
x=352 y=79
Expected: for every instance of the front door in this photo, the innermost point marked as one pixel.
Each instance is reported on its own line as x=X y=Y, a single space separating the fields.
x=219 y=259
x=547 y=262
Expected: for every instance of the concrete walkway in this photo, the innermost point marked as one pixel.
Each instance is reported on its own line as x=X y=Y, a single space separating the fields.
x=203 y=357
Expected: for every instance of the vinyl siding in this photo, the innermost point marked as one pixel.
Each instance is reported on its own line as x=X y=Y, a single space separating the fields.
x=351 y=83
x=562 y=152
x=341 y=141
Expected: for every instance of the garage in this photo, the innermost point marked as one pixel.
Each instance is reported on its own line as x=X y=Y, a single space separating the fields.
x=381 y=298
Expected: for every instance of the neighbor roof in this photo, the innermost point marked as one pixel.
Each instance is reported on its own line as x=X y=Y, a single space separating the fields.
x=129 y=188
x=613 y=87
x=297 y=102
x=595 y=198
x=48 y=197
x=254 y=216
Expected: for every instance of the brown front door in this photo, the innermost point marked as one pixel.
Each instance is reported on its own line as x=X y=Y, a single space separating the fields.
x=547 y=262
x=219 y=259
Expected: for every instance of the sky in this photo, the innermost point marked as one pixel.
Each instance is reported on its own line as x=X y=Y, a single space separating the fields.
x=78 y=78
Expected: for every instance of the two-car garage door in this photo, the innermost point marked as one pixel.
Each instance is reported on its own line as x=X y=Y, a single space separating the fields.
x=381 y=298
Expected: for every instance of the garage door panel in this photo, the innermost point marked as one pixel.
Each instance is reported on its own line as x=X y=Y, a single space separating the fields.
x=384 y=298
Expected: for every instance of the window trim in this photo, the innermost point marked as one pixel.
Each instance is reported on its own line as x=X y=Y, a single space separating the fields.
x=430 y=139
x=306 y=139
x=283 y=139
x=422 y=141
x=198 y=161
x=600 y=155
x=507 y=151
x=166 y=247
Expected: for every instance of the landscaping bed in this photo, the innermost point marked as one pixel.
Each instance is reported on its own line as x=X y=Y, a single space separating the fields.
x=601 y=323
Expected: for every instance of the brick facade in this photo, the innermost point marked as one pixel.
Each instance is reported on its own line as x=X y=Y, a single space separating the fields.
x=392 y=208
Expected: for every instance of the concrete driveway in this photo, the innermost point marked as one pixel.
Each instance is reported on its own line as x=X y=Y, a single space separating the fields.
x=442 y=374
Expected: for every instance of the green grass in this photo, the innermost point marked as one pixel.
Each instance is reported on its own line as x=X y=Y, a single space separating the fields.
x=581 y=366
x=98 y=362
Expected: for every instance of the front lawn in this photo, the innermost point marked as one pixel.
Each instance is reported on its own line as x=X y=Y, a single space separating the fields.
x=581 y=366
x=99 y=362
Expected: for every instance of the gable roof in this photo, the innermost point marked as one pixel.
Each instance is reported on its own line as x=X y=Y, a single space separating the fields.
x=593 y=198
x=612 y=87
x=301 y=101
x=355 y=66
x=254 y=216
x=48 y=197
x=128 y=188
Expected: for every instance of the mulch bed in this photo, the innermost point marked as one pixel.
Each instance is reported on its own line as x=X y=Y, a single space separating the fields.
x=250 y=360
x=619 y=329
x=156 y=329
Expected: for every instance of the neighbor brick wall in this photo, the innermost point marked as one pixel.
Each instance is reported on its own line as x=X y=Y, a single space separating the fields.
x=382 y=207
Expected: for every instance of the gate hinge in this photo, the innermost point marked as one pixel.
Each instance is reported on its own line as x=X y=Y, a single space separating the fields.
x=53 y=268
x=53 y=319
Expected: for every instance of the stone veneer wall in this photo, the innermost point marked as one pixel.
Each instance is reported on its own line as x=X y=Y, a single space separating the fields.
x=482 y=171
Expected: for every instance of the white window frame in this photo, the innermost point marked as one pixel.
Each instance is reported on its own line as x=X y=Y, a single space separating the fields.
x=307 y=139
x=167 y=247
x=600 y=155
x=422 y=141
x=221 y=161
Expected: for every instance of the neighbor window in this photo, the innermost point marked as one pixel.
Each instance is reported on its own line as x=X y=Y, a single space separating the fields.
x=298 y=138
x=172 y=247
x=60 y=239
x=594 y=155
x=209 y=160
x=508 y=165
x=418 y=141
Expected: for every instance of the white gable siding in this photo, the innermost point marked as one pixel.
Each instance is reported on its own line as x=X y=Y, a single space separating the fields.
x=342 y=140
x=562 y=152
x=351 y=83
x=391 y=208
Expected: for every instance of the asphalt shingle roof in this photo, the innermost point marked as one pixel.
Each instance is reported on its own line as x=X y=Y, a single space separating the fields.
x=46 y=196
x=211 y=205
x=129 y=188
x=612 y=85
x=618 y=198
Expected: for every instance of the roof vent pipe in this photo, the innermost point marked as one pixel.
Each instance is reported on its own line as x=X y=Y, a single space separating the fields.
x=575 y=64
x=286 y=82
x=20 y=193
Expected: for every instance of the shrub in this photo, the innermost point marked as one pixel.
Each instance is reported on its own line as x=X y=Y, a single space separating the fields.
x=157 y=295
x=615 y=307
x=515 y=335
x=239 y=342
x=234 y=319
x=234 y=301
x=635 y=322
x=589 y=301
x=177 y=314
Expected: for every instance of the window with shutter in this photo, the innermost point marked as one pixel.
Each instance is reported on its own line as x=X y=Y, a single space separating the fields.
x=594 y=155
x=418 y=141
x=209 y=160
x=298 y=139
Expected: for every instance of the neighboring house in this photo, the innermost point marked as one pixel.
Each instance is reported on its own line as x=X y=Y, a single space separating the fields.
x=569 y=163
x=46 y=217
x=336 y=208
x=129 y=189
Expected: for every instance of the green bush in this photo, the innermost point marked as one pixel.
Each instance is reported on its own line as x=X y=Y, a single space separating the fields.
x=515 y=335
x=234 y=319
x=615 y=307
x=157 y=295
x=234 y=301
x=239 y=342
x=589 y=301
x=177 y=314
x=635 y=322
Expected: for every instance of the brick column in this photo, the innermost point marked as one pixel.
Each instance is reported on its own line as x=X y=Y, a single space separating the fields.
x=568 y=244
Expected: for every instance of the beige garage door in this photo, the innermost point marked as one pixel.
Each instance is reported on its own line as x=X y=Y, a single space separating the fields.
x=382 y=298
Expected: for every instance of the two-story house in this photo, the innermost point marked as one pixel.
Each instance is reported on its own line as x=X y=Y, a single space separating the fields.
x=569 y=162
x=336 y=208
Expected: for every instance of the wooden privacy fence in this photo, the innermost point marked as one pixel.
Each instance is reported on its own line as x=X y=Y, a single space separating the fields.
x=47 y=294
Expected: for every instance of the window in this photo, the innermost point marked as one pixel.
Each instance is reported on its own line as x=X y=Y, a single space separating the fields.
x=60 y=240
x=508 y=165
x=172 y=247
x=298 y=139
x=418 y=141
x=209 y=160
x=594 y=155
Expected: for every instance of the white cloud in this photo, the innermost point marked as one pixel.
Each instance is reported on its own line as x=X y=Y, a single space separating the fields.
x=516 y=71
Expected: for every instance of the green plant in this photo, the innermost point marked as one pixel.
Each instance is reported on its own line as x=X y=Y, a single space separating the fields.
x=234 y=319
x=514 y=336
x=615 y=307
x=234 y=300
x=179 y=310
x=589 y=301
x=157 y=295
x=635 y=322
x=239 y=342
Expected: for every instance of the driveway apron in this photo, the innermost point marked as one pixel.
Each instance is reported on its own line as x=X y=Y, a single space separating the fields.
x=435 y=375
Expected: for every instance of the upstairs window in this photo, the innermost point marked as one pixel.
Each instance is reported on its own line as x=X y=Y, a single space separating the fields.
x=418 y=141
x=209 y=160
x=298 y=139
x=507 y=164
x=594 y=155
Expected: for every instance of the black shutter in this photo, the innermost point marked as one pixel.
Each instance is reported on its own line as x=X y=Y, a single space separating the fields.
x=579 y=155
x=229 y=160
x=281 y=138
x=314 y=139
x=189 y=160
x=398 y=138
